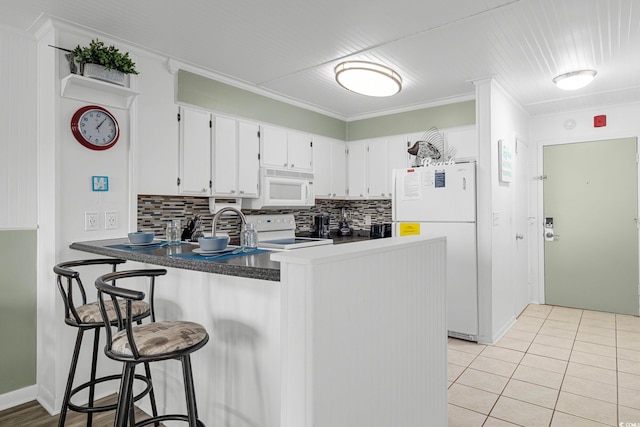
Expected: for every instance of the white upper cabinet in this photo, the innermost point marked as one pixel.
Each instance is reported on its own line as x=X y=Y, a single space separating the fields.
x=248 y=158
x=286 y=149
x=465 y=142
x=357 y=169
x=300 y=150
x=195 y=152
x=225 y=157
x=369 y=166
x=377 y=169
x=329 y=156
x=235 y=158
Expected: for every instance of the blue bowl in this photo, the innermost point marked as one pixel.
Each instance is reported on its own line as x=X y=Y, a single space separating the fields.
x=213 y=243
x=141 y=237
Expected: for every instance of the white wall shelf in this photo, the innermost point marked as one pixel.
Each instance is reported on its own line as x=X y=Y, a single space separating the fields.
x=95 y=91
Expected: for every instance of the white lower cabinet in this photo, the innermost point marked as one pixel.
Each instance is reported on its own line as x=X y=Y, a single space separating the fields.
x=194 y=174
x=329 y=156
x=235 y=160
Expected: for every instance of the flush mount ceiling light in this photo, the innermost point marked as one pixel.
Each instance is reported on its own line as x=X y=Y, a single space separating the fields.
x=575 y=79
x=368 y=78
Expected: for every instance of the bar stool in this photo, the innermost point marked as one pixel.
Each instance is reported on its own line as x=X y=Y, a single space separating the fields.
x=152 y=342
x=85 y=317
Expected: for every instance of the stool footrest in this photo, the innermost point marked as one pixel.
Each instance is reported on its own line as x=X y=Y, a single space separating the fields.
x=170 y=417
x=103 y=408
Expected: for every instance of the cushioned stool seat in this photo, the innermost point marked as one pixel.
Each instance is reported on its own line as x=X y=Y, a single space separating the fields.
x=90 y=313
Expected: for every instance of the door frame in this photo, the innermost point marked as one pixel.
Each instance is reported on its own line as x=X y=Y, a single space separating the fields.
x=540 y=195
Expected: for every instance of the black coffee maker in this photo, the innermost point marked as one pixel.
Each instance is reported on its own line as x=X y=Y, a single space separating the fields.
x=321 y=225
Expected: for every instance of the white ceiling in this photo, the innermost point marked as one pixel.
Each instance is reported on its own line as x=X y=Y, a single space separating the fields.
x=290 y=47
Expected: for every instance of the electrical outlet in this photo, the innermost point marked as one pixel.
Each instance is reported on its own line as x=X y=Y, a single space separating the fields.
x=90 y=221
x=110 y=220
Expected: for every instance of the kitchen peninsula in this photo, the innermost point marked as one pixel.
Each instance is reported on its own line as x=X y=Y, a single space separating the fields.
x=347 y=335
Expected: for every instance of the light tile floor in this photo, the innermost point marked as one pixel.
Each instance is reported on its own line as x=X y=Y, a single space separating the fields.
x=557 y=366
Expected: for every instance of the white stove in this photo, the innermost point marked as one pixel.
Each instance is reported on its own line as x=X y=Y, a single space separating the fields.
x=279 y=232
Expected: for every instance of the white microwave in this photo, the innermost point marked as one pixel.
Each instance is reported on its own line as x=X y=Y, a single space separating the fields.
x=282 y=189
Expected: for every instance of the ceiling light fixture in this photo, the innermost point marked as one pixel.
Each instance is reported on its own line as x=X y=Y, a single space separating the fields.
x=575 y=79
x=368 y=78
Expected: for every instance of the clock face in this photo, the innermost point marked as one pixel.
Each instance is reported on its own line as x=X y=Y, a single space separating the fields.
x=95 y=128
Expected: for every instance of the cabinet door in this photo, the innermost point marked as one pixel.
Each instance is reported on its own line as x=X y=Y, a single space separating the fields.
x=248 y=159
x=397 y=157
x=356 y=170
x=195 y=152
x=377 y=169
x=157 y=158
x=225 y=157
x=300 y=151
x=338 y=169
x=273 y=147
x=323 y=165
x=464 y=141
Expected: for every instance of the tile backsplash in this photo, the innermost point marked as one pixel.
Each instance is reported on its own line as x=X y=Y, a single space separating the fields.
x=154 y=211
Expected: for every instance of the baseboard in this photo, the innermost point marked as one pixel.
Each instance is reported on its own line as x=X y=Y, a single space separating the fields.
x=18 y=397
x=499 y=334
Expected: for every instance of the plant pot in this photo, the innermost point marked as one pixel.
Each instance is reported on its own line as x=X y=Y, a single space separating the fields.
x=99 y=72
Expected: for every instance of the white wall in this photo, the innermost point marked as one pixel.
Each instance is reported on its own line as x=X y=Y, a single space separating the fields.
x=499 y=118
x=17 y=131
x=622 y=122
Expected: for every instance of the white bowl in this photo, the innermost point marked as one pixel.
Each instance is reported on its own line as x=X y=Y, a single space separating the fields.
x=141 y=237
x=213 y=243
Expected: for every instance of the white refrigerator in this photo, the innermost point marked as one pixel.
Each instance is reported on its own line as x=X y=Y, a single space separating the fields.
x=440 y=201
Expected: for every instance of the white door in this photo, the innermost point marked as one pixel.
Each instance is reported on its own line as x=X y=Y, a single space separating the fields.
x=522 y=226
x=591 y=194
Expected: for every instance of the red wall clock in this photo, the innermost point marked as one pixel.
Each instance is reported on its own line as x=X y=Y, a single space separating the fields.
x=95 y=127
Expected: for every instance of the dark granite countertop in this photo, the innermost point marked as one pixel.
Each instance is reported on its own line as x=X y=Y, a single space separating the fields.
x=254 y=266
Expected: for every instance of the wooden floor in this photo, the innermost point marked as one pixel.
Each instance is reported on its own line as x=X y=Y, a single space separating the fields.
x=31 y=414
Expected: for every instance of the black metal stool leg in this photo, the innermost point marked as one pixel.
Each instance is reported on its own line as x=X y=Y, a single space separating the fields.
x=72 y=374
x=152 y=395
x=94 y=364
x=192 y=409
x=125 y=400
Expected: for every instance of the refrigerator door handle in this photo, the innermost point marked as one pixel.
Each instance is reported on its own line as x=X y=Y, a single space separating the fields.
x=464 y=183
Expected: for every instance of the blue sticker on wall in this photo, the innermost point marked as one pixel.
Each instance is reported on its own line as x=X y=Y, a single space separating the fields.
x=100 y=183
x=440 y=179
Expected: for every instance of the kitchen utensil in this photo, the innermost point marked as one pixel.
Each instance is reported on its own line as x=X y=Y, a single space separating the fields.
x=321 y=225
x=343 y=224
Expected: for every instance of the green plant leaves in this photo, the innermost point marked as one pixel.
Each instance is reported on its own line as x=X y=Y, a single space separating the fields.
x=108 y=56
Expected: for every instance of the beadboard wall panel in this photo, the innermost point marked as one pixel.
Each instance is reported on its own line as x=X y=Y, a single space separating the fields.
x=18 y=164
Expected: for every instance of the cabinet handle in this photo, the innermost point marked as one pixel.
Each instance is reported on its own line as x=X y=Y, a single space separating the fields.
x=292 y=165
x=285 y=165
x=204 y=190
x=233 y=191
x=241 y=191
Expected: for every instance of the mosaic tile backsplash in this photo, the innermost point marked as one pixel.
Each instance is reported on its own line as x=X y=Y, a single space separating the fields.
x=154 y=211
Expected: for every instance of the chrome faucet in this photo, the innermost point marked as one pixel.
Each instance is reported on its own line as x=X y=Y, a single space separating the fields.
x=223 y=210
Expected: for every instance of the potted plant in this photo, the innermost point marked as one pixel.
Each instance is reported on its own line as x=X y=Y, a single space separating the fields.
x=104 y=62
